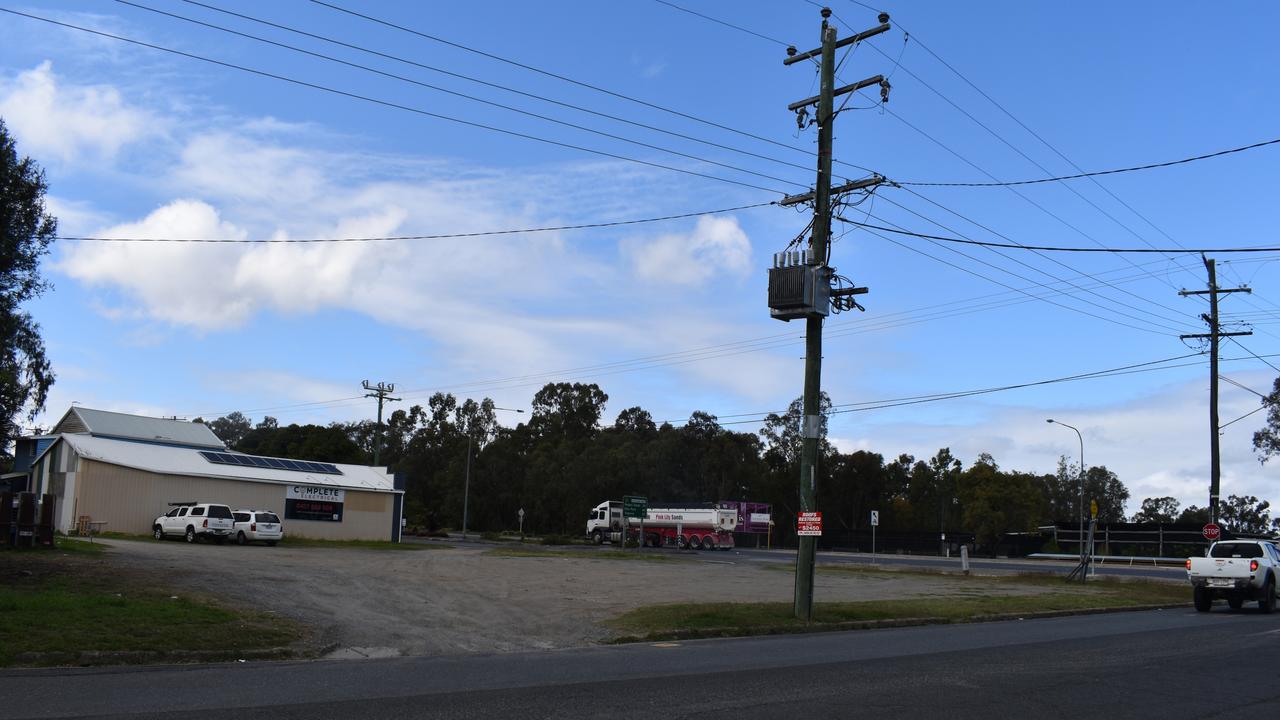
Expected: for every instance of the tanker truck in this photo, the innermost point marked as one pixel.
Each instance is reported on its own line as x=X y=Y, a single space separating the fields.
x=693 y=527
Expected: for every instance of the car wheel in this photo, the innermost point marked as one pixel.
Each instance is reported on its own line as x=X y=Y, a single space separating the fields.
x=240 y=538
x=1235 y=602
x=191 y=535
x=157 y=532
x=1268 y=602
x=1203 y=599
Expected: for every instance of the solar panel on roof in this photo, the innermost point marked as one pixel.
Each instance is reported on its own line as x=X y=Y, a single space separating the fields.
x=219 y=458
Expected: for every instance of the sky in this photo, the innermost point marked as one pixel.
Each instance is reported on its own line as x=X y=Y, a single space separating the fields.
x=417 y=119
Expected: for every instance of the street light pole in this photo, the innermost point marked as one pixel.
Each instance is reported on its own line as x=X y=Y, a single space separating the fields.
x=466 y=485
x=1080 y=505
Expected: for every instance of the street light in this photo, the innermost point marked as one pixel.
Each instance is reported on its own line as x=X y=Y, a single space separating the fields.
x=1080 y=506
x=466 y=487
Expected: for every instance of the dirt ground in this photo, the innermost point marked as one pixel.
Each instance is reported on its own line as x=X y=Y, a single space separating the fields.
x=378 y=603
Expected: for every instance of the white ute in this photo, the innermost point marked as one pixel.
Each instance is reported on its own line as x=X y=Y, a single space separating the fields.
x=1237 y=570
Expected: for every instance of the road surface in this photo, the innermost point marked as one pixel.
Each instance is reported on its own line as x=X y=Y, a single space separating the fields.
x=1167 y=664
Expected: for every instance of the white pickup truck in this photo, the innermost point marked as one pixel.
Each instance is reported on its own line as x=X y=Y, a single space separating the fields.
x=1237 y=570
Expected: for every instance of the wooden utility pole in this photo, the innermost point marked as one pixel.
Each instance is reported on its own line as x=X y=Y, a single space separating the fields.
x=1215 y=467
x=381 y=391
x=811 y=423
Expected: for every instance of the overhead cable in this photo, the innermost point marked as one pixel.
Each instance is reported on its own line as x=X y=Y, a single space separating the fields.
x=387 y=103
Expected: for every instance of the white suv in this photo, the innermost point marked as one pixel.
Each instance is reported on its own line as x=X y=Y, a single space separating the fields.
x=264 y=525
x=193 y=520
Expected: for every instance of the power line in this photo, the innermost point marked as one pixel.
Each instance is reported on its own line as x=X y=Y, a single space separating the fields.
x=1030 y=295
x=1242 y=347
x=1055 y=150
x=439 y=236
x=1059 y=248
x=722 y=22
x=497 y=86
x=455 y=93
x=1051 y=259
x=387 y=103
x=564 y=78
x=1097 y=173
x=920 y=399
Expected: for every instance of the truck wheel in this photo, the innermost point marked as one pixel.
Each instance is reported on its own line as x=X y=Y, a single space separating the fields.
x=1203 y=599
x=1268 y=602
x=157 y=532
x=1235 y=602
x=597 y=537
x=708 y=542
x=695 y=542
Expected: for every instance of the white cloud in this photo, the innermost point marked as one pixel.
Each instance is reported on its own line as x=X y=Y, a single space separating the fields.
x=715 y=246
x=67 y=122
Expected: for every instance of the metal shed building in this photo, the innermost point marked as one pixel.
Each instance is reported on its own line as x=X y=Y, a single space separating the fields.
x=124 y=470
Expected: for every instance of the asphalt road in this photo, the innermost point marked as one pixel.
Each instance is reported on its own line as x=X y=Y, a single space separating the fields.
x=746 y=554
x=1168 y=664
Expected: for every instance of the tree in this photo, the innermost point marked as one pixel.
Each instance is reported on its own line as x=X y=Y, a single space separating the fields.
x=231 y=428
x=571 y=410
x=26 y=231
x=1102 y=485
x=996 y=502
x=635 y=420
x=1161 y=510
x=1266 y=442
x=1245 y=514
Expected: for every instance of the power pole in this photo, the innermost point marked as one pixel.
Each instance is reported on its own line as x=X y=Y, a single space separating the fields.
x=381 y=391
x=819 y=274
x=1215 y=469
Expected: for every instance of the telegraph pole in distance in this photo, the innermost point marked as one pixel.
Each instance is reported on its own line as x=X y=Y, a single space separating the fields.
x=1215 y=469
x=381 y=391
x=811 y=423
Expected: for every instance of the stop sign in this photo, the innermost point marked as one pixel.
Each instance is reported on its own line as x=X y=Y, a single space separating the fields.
x=1211 y=532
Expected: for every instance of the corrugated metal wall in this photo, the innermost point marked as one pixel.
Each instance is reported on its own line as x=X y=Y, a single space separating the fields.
x=129 y=501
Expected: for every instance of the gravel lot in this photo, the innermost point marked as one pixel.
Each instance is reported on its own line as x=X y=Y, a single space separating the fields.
x=370 y=602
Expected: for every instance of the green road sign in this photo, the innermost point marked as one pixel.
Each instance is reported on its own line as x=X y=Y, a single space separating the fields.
x=634 y=506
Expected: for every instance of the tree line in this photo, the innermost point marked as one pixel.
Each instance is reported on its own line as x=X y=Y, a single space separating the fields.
x=564 y=459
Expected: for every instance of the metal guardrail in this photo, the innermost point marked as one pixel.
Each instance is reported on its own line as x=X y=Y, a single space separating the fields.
x=1129 y=560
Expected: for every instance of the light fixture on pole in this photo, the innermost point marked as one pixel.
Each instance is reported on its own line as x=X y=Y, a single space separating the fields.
x=1080 y=506
x=466 y=486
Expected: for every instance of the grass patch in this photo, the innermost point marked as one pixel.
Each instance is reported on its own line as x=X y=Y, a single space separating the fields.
x=57 y=606
x=73 y=545
x=540 y=552
x=682 y=620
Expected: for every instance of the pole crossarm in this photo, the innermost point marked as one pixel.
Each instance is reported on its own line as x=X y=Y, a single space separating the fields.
x=851 y=87
x=1210 y=336
x=1223 y=291
x=883 y=27
x=837 y=190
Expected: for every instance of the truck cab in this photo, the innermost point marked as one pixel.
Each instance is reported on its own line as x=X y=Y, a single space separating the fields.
x=605 y=522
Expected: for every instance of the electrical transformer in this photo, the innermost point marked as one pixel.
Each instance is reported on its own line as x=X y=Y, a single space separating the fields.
x=798 y=289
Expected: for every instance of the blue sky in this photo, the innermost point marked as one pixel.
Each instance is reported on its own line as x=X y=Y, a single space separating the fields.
x=141 y=143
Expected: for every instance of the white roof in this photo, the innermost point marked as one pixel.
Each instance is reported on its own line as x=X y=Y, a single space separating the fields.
x=140 y=427
x=171 y=460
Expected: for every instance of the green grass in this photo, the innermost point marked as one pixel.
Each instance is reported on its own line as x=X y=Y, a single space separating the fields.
x=541 y=552
x=60 y=605
x=727 y=619
x=74 y=545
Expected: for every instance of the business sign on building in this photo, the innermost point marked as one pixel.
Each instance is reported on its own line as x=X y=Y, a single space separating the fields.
x=313 y=502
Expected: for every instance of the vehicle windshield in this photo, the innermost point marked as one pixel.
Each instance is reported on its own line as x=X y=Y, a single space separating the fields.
x=1236 y=550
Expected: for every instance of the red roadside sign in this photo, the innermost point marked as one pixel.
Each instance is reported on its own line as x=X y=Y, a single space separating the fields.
x=809 y=523
x=1211 y=532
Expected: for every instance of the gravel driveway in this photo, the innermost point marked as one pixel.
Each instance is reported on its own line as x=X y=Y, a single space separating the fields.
x=370 y=602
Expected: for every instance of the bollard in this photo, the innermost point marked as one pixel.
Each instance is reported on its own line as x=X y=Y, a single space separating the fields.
x=964 y=559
